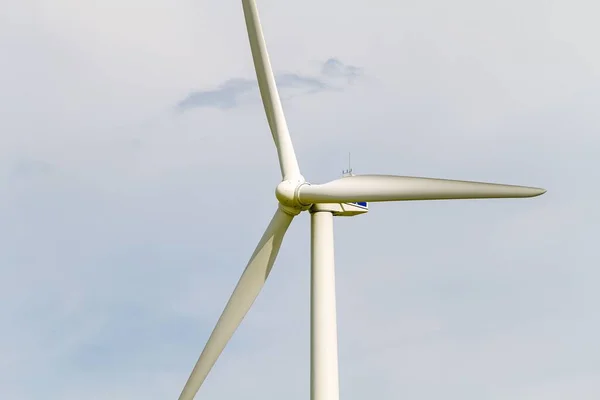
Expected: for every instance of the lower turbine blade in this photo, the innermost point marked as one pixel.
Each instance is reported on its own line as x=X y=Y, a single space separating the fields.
x=399 y=188
x=246 y=291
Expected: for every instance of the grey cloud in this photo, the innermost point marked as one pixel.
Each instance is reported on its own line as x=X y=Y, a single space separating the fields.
x=231 y=93
x=226 y=96
x=301 y=81
x=27 y=168
x=336 y=69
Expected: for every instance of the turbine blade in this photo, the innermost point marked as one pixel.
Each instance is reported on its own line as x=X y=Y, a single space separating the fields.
x=400 y=188
x=268 y=91
x=246 y=291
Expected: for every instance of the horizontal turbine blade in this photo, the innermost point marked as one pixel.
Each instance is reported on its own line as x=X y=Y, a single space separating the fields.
x=268 y=91
x=401 y=188
x=246 y=291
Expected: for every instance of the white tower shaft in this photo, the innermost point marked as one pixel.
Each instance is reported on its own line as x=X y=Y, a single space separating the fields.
x=324 y=382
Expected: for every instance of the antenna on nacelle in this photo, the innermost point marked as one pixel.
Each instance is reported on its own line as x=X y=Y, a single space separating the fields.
x=348 y=172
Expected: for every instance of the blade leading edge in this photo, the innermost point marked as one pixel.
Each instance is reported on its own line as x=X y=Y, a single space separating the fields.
x=246 y=291
x=373 y=188
x=270 y=96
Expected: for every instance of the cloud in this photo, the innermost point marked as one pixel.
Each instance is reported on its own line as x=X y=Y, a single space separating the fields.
x=336 y=69
x=28 y=168
x=235 y=92
x=226 y=96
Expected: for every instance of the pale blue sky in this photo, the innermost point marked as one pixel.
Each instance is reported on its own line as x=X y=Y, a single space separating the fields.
x=124 y=226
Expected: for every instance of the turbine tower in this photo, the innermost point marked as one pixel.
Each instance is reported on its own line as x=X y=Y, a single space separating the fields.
x=346 y=196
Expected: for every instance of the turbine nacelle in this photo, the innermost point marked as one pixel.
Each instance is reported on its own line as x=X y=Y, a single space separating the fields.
x=342 y=209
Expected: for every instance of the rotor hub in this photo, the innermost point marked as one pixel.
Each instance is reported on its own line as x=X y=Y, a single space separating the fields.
x=287 y=193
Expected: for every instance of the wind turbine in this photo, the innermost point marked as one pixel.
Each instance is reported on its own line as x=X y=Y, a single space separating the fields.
x=346 y=196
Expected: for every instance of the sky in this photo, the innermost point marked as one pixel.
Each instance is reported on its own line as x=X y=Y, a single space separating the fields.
x=137 y=174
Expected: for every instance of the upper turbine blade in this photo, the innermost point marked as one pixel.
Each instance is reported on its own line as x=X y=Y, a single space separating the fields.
x=270 y=96
x=399 y=188
x=241 y=300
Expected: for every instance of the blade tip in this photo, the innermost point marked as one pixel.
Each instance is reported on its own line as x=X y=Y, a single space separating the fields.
x=535 y=192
